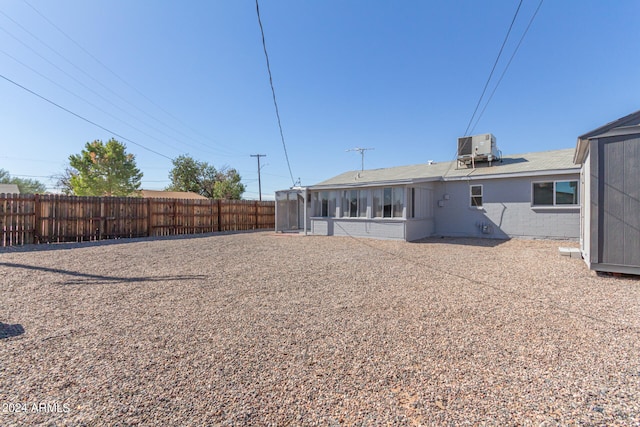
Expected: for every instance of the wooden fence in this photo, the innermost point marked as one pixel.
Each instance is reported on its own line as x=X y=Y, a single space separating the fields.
x=27 y=219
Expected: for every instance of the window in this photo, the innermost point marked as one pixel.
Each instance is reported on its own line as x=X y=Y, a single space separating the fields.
x=388 y=202
x=411 y=203
x=398 y=202
x=362 y=203
x=555 y=193
x=325 y=203
x=377 y=203
x=354 y=203
x=476 y=195
x=350 y=203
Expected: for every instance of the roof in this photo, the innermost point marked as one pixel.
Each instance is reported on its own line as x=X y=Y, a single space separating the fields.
x=9 y=189
x=631 y=121
x=528 y=164
x=157 y=194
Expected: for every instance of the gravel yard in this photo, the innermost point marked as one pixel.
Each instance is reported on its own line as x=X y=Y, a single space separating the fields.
x=266 y=329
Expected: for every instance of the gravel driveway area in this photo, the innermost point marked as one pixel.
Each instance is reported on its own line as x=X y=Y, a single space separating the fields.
x=267 y=329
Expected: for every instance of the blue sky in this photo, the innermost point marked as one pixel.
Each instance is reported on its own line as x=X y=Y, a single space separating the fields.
x=402 y=77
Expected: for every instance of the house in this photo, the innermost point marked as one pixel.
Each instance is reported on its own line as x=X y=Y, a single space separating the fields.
x=159 y=194
x=9 y=189
x=532 y=195
x=610 y=195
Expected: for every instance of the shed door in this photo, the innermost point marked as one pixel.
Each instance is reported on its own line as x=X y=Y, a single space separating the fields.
x=619 y=197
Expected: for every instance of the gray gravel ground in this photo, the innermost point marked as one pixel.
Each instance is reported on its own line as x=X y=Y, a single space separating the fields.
x=266 y=329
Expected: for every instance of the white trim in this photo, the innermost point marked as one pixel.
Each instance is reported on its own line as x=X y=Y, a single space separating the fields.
x=471 y=205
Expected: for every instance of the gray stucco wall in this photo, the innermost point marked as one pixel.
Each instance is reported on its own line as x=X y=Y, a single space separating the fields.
x=506 y=211
x=358 y=227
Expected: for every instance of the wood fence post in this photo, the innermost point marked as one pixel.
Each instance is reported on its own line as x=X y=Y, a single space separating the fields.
x=37 y=223
x=219 y=215
x=149 y=218
x=175 y=216
x=255 y=204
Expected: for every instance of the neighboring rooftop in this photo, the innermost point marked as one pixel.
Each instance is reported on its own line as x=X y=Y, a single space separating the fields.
x=159 y=194
x=9 y=189
x=556 y=161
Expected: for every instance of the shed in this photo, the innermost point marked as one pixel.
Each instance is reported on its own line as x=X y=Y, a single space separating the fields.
x=610 y=198
x=9 y=189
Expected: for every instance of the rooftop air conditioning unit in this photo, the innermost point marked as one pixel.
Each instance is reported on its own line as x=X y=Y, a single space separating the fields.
x=477 y=148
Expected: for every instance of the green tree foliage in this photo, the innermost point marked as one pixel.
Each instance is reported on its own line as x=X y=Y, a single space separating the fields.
x=228 y=185
x=103 y=170
x=26 y=186
x=199 y=177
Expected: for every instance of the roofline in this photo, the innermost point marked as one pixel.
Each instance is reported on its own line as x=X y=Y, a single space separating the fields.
x=583 y=142
x=621 y=122
x=440 y=178
x=581 y=151
x=566 y=171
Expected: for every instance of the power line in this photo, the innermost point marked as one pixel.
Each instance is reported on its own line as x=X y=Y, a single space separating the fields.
x=91 y=103
x=273 y=92
x=83 y=118
x=492 y=69
x=508 y=63
x=222 y=150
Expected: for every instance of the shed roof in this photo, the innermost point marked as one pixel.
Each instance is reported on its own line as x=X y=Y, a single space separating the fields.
x=528 y=164
x=630 y=121
x=9 y=189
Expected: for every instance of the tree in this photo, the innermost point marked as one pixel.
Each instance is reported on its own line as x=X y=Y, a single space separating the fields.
x=228 y=185
x=63 y=181
x=199 y=177
x=26 y=186
x=103 y=170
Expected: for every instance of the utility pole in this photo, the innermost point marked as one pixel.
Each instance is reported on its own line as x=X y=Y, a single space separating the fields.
x=259 y=184
x=361 y=151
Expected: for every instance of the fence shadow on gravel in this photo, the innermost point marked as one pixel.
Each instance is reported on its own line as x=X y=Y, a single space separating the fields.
x=99 y=279
x=8 y=331
x=93 y=243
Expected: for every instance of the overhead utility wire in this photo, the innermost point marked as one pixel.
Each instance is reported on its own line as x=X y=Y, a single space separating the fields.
x=492 y=69
x=83 y=118
x=507 y=67
x=89 y=102
x=219 y=147
x=273 y=92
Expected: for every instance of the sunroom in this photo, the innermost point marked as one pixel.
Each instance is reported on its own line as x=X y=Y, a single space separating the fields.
x=393 y=211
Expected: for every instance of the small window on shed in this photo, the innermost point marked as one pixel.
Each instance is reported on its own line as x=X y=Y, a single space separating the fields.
x=476 y=196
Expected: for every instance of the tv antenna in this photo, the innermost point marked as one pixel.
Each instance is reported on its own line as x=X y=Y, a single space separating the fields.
x=361 y=151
